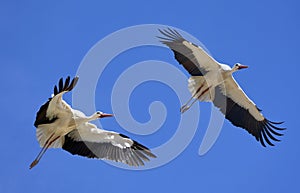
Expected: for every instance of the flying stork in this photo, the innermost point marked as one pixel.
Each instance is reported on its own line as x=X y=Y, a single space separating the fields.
x=212 y=81
x=60 y=126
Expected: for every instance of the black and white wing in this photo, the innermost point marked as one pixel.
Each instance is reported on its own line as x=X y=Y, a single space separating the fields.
x=193 y=58
x=92 y=142
x=49 y=111
x=242 y=112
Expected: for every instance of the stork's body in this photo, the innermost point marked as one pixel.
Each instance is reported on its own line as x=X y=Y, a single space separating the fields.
x=212 y=81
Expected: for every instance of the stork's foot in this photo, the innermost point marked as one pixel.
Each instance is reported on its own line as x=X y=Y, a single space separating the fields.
x=33 y=164
x=184 y=108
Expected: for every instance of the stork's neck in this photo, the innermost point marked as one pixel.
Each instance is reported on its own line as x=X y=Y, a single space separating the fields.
x=80 y=120
x=226 y=71
x=92 y=117
x=234 y=69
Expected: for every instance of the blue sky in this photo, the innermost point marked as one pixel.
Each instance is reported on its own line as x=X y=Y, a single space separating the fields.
x=43 y=41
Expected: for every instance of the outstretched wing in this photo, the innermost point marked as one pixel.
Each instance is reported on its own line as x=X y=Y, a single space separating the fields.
x=92 y=142
x=242 y=112
x=193 y=58
x=48 y=111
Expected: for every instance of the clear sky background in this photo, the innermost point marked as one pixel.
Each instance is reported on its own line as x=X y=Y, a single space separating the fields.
x=43 y=41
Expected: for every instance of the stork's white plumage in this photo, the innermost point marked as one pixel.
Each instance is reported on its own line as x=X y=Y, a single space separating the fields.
x=60 y=126
x=89 y=141
x=212 y=81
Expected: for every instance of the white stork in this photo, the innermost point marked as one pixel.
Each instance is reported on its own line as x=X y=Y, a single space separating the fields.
x=212 y=81
x=60 y=126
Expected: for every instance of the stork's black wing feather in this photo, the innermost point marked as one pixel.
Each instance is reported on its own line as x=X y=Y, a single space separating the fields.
x=182 y=53
x=41 y=117
x=135 y=155
x=263 y=131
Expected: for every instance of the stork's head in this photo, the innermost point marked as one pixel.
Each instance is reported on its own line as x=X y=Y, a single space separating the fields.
x=100 y=115
x=238 y=66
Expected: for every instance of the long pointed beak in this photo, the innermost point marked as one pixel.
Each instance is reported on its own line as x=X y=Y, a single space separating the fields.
x=103 y=115
x=242 y=66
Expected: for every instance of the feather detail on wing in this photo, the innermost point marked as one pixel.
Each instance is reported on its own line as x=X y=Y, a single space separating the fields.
x=242 y=112
x=92 y=142
x=46 y=113
x=193 y=58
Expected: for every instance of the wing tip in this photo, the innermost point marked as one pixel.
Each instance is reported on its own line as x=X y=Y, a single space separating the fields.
x=169 y=36
x=268 y=132
x=135 y=154
x=139 y=147
x=65 y=86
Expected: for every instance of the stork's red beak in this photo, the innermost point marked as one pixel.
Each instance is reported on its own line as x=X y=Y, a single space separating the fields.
x=242 y=66
x=103 y=115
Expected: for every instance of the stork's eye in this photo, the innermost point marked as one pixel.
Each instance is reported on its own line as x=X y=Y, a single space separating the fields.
x=98 y=113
